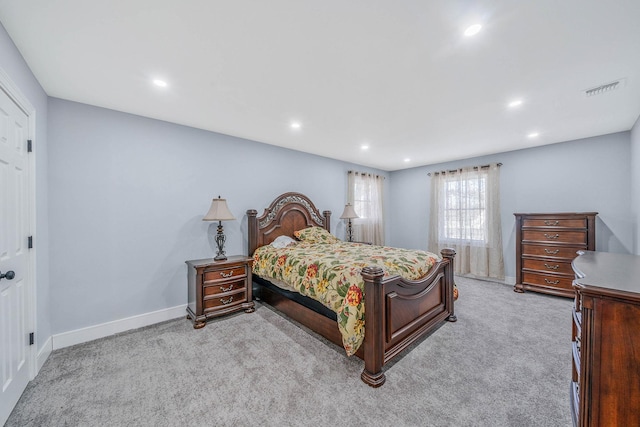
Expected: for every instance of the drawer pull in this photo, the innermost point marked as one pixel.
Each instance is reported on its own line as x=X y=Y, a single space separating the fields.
x=549 y=236
x=226 y=275
x=551 y=252
x=552 y=267
x=547 y=222
x=551 y=282
x=223 y=289
x=226 y=301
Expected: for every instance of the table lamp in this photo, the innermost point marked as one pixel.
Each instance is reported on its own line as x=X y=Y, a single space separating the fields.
x=348 y=214
x=219 y=211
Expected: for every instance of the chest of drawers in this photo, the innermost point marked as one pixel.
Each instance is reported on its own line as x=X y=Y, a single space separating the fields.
x=605 y=384
x=546 y=243
x=216 y=288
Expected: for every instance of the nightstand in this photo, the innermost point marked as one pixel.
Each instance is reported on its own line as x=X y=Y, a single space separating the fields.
x=217 y=288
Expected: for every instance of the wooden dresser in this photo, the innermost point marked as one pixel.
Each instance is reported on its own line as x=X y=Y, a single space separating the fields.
x=605 y=388
x=218 y=287
x=546 y=243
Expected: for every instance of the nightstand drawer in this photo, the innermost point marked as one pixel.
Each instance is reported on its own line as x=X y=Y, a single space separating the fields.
x=226 y=301
x=555 y=236
x=223 y=287
x=228 y=273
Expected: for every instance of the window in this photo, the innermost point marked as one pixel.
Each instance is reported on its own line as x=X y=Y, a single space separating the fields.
x=365 y=194
x=464 y=210
x=465 y=216
x=362 y=198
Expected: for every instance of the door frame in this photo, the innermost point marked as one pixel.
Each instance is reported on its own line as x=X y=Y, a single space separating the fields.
x=16 y=95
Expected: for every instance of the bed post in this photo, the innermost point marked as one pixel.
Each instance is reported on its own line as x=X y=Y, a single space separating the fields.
x=449 y=254
x=327 y=220
x=373 y=327
x=252 y=229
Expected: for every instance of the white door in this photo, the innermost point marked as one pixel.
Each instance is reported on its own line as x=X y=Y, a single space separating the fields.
x=14 y=232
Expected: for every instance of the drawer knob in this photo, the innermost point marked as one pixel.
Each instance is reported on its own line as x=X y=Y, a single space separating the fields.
x=551 y=282
x=223 y=274
x=9 y=275
x=552 y=267
x=549 y=236
x=223 y=289
x=551 y=252
x=226 y=301
x=547 y=222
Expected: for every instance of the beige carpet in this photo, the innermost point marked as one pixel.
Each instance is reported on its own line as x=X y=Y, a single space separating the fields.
x=506 y=362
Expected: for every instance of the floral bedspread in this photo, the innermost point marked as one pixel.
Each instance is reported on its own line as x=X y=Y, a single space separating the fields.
x=330 y=274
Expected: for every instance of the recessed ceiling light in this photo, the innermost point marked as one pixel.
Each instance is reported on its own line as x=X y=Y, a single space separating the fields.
x=407 y=160
x=160 y=83
x=515 y=103
x=533 y=135
x=364 y=147
x=472 y=30
x=296 y=125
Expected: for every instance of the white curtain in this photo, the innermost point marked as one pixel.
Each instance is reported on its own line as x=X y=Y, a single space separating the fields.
x=365 y=194
x=465 y=216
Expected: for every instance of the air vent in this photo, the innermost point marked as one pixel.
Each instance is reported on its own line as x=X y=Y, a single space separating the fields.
x=607 y=87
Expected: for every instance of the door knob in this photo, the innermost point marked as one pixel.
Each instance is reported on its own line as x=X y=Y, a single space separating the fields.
x=8 y=275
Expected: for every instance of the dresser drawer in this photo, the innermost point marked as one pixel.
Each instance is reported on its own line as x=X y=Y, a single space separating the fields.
x=223 y=287
x=555 y=236
x=225 y=274
x=556 y=267
x=226 y=301
x=555 y=222
x=564 y=252
x=547 y=280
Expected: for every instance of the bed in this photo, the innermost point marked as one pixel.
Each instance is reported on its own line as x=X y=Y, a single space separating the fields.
x=397 y=311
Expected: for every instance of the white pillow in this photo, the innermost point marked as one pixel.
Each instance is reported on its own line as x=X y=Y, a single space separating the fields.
x=283 y=242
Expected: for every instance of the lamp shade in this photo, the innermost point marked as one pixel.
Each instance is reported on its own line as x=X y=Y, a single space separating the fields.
x=349 y=212
x=219 y=211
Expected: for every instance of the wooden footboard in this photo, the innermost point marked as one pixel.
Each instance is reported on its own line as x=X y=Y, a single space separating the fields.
x=398 y=312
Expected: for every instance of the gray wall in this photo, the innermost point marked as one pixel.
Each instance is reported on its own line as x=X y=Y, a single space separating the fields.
x=635 y=184
x=127 y=196
x=591 y=174
x=15 y=67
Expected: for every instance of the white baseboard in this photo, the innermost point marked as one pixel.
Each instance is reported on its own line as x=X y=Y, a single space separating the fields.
x=507 y=280
x=43 y=355
x=91 y=333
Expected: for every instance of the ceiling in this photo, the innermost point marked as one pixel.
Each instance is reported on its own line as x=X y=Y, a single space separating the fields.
x=397 y=76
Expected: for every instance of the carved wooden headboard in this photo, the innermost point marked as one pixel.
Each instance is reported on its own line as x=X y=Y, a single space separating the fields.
x=289 y=212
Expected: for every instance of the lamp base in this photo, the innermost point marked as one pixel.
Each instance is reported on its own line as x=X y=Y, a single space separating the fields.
x=220 y=239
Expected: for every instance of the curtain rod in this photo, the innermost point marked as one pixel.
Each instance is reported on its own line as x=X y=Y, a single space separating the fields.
x=367 y=173
x=457 y=170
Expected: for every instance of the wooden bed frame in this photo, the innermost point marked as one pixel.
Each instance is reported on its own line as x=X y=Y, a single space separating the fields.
x=397 y=311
